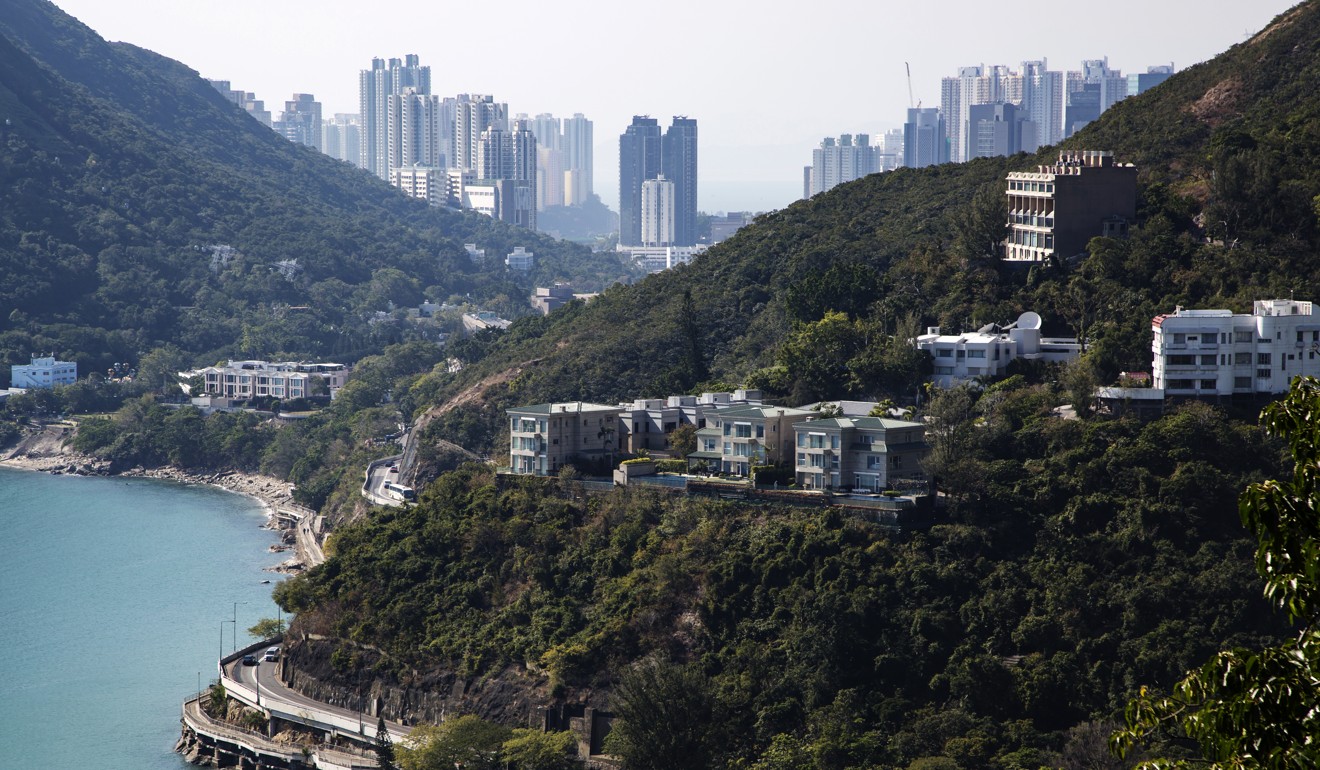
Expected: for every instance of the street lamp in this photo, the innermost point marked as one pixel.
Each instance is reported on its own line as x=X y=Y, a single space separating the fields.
x=222 y=638
x=235 y=622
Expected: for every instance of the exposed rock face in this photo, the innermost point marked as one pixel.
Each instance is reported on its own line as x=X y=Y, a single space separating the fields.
x=191 y=749
x=513 y=697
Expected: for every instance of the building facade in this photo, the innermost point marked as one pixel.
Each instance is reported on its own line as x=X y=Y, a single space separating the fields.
x=987 y=353
x=1056 y=210
x=639 y=160
x=835 y=162
x=756 y=435
x=658 y=212
x=267 y=379
x=1222 y=353
x=546 y=437
x=341 y=138
x=301 y=121
x=43 y=372
x=925 y=142
x=859 y=453
x=679 y=165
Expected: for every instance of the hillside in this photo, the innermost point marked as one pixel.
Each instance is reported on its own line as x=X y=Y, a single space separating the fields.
x=1232 y=144
x=120 y=171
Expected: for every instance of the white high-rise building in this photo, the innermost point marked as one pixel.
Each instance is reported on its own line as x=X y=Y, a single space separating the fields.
x=341 y=138
x=550 y=180
x=375 y=87
x=658 y=220
x=577 y=146
x=1041 y=104
x=843 y=160
x=473 y=114
x=416 y=132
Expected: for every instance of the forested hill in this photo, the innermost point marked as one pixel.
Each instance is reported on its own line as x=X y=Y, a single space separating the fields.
x=1232 y=145
x=121 y=169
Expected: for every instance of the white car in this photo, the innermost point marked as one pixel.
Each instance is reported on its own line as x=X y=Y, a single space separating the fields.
x=272 y=653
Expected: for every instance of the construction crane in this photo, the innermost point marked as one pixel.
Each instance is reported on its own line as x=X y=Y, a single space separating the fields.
x=913 y=103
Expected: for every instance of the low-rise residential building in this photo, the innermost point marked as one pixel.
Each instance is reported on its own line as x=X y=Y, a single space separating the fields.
x=520 y=259
x=859 y=453
x=543 y=438
x=988 y=352
x=267 y=379
x=483 y=319
x=1222 y=353
x=756 y=435
x=646 y=423
x=43 y=372
x=550 y=298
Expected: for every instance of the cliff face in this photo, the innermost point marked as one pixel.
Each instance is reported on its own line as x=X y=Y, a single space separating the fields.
x=511 y=696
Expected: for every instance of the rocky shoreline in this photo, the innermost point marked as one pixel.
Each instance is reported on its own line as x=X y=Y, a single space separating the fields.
x=45 y=451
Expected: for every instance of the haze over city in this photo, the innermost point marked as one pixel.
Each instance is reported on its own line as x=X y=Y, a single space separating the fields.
x=766 y=81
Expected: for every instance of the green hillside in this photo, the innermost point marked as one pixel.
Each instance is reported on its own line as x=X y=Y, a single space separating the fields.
x=1229 y=145
x=120 y=170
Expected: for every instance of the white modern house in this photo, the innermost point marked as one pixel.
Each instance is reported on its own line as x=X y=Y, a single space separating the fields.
x=1222 y=353
x=43 y=372
x=988 y=351
x=262 y=379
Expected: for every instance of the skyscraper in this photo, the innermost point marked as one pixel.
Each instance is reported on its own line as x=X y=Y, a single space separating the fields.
x=1041 y=104
x=639 y=160
x=417 y=132
x=577 y=147
x=473 y=114
x=341 y=138
x=924 y=142
x=301 y=121
x=679 y=165
x=658 y=212
x=375 y=87
x=842 y=160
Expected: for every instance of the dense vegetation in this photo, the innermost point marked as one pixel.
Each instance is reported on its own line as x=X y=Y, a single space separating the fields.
x=139 y=207
x=1079 y=561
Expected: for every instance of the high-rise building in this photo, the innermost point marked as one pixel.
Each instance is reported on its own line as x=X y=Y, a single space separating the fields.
x=679 y=165
x=546 y=128
x=1054 y=211
x=972 y=86
x=473 y=114
x=375 y=87
x=1041 y=104
x=1090 y=91
x=639 y=160
x=301 y=120
x=995 y=129
x=245 y=99
x=924 y=139
x=1153 y=76
x=417 y=132
x=341 y=138
x=509 y=158
x=659 y=217
x=843 y=160
x=551 y=183
x=577 y=146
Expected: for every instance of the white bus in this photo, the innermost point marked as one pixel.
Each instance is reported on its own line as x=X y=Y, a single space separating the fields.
x=399 y=491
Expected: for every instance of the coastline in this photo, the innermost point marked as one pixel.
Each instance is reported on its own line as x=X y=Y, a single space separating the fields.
x=45 y=451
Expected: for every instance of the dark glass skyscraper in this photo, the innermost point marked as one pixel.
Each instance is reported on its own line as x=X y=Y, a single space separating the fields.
x=679 y=161
x=639 y=160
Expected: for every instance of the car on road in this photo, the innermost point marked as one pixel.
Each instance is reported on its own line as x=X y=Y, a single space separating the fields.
x=250 y=660
x=272 y=653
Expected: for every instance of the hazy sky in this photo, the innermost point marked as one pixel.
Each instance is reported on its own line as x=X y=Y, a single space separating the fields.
x=765 y=80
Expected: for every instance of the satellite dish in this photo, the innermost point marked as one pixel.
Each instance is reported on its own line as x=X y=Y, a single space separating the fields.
x=1028 y=320
x=986 y=329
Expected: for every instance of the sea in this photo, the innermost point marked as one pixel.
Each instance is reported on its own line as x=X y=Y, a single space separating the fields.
x=117 y=595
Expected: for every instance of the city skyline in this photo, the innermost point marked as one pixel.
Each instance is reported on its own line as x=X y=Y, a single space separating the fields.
x=738 y=69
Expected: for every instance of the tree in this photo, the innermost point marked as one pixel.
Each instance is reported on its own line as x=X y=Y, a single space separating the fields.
x=266 y=628
x=663 y=717
x=683 y=441
x=469 y=741
x=384 y=747
x=1261 y=709
x=534 y=750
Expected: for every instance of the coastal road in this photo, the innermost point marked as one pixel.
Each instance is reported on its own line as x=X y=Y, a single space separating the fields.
x=264 y=678
x=377 y=474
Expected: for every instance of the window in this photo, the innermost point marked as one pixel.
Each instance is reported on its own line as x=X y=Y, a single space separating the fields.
x=1182 y=360
x=944 y=353
x=1182 y=384
x=742 y=430
x=1242 y=383
x=802 y=439
x=1208 y=360
x=1180 y=339
x=816 y=441
x=1262 y=359
x=1242 y=336
x=874 y=461
x=1262 y=374
x=1242 y=359
x=802 y=458
x=976 y=354
x=1207 y=384
x=760 y=431
x=896 y=461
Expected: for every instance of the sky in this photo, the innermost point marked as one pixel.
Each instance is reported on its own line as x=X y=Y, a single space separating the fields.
x=765 y=80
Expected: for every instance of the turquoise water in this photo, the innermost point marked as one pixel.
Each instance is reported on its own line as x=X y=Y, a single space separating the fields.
x=112 y=597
